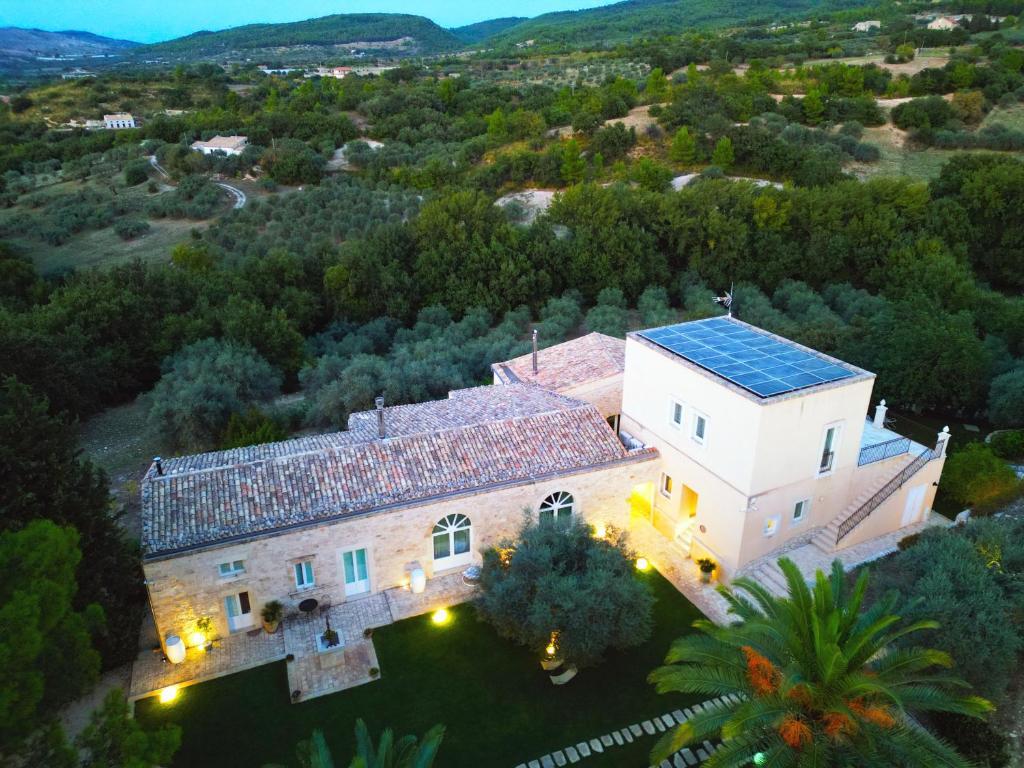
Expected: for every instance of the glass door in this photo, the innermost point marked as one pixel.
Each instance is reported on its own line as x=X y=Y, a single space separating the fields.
x=357 y=576
x=239 y=611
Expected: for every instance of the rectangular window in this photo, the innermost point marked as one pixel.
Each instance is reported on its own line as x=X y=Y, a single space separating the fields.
x=675 y=413
x=800 y=510
x=700 y=428
x=828 y=450
x=666 y=485
x=234 y=568
x=304 y=574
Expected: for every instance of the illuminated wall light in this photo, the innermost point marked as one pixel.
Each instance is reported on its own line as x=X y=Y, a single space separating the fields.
x=600 y=531
x=168 y=694
x=197 y=639
x=441 y=616
x=642 y=564
x=552 y=648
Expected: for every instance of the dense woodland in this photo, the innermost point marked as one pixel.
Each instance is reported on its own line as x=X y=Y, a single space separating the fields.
x=400 y=275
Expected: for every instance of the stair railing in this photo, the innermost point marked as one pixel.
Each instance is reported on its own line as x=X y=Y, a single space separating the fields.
x=883 y=493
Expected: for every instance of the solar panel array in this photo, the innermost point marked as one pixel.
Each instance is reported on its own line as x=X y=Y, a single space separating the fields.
x=752 y=359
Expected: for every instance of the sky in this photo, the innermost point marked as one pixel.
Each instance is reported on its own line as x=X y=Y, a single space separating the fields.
x=148 y=21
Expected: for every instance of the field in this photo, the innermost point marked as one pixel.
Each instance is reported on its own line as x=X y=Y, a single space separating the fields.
x=900 y=159
x=98 y=247
x=66 y=100
x=104 y=248
x=928 y=58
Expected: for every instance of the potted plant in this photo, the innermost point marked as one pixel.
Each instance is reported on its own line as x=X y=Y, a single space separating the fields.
x=271 y=615
x=204 y=626
x=330 y=638
x=707 y=567
x=374 y=672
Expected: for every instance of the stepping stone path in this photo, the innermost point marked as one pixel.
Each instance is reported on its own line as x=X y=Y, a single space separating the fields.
x=684 y=758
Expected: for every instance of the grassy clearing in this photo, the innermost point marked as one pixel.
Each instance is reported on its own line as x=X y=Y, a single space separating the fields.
x=90 y=99
x=1010 y=117
x=499 y=708
x=898 y=159
x=104 y=248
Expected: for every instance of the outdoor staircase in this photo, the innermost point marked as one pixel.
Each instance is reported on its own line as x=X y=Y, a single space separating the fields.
x=682 y=543
x=770 y=576
x=873 y=496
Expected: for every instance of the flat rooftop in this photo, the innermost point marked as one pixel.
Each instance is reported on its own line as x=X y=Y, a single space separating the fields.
x=759 y=362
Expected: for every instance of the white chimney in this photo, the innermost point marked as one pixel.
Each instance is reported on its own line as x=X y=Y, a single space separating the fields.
x=942 y=442
x=535 y=350
x=880 y=411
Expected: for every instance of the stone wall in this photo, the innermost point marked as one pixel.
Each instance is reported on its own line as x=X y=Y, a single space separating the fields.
x=186 y=587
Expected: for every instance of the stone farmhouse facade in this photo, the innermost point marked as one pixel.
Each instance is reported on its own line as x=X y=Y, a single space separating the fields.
x=639 y=434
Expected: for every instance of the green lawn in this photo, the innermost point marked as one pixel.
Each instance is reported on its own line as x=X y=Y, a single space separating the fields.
x=499 y=708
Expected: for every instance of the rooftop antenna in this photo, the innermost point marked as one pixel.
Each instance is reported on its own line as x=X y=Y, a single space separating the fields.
x=726 y=301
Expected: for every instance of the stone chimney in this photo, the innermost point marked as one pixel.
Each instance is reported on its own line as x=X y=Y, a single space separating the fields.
x=535 y=350
x=379 y=402
x=880 y=411
x=159 y=463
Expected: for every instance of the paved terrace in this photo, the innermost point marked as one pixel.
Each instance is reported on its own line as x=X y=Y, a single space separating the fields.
x=310 y=672
x=675 y=566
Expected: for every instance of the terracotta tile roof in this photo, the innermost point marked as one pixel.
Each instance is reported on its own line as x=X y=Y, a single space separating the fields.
x=589 y=358
x=475 y=439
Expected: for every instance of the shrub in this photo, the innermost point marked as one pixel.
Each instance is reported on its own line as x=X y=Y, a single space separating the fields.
x=944 y=577
x=1008 y=444
x=559 y=578
x=1006 y=399
x=136 y=172
x=129 y=229
x=974 y=739
x=251 y=428
x=202 y=386
x=929 y=112
x=976 y=476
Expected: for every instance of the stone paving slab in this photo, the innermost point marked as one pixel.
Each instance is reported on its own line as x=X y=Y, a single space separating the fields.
x=608 y=741
x=151 y=672
x=314 y=674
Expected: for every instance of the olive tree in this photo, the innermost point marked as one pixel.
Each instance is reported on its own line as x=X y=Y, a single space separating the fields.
x=558 y=579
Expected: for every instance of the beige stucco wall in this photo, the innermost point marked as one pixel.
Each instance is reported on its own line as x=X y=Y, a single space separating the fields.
x=604 y=394
x=186 y=587
x=758 y=459
x=890 y=515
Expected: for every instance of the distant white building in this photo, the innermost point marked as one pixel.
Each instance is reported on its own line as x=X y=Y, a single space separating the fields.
x=277 y=70
x=867 y=26
x=337 y=73
x=228 y=145
x=118 y=120
x=944 y=23
x=77 y=74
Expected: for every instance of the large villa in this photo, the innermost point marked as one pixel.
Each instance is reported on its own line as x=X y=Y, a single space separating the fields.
x=709 y=439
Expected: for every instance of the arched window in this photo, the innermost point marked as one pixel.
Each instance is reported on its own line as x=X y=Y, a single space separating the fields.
x=557 y=508
x=452 y=540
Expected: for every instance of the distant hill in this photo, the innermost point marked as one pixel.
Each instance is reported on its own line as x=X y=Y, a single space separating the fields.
x=366 y=31
x=474 y=33
x=650 y=18
x=20 y=47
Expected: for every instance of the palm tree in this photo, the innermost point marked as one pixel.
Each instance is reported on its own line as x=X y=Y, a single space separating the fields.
x=404 y=753
x=817 y=682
